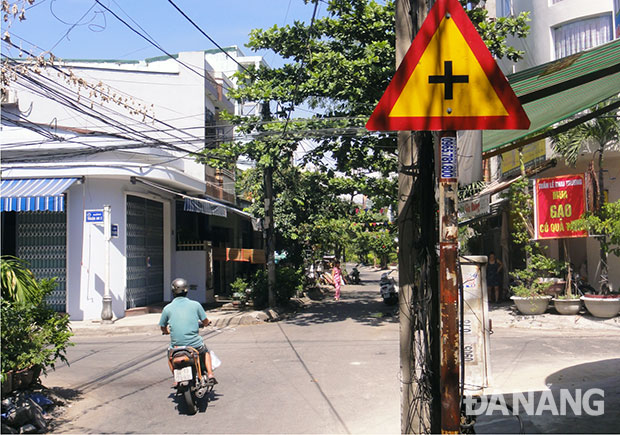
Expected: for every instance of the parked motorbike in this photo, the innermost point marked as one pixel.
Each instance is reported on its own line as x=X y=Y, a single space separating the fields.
x=388 y=289
x=580 y=286
x=354 y=276
x=191 y=382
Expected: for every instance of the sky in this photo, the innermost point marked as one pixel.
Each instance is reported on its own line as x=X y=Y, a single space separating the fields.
x=82 y=29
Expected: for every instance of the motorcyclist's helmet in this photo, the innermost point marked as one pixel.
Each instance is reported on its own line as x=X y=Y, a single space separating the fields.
x=179 y=286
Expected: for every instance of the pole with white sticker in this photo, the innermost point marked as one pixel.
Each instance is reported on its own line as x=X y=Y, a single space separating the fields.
x=106 y=311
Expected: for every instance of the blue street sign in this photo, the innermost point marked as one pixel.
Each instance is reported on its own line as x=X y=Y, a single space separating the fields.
x=448 y=158
x=114 y=230
x=91 y=216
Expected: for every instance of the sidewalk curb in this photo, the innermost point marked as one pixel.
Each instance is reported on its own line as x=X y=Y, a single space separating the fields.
x=507 y=316
x=148 y=323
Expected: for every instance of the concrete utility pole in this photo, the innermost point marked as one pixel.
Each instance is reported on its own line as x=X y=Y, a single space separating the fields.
x=270 y=236
x=270 y=241
x=415 y=158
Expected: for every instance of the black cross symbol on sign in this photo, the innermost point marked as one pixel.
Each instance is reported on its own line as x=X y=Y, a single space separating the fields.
x=448 y=79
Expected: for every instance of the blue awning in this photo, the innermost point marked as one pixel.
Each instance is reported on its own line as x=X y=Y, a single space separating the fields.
x=34 y=194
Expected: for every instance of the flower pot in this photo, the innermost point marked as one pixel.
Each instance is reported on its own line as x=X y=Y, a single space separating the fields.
x=605 y=306
x=568 y=307
x=531 y=306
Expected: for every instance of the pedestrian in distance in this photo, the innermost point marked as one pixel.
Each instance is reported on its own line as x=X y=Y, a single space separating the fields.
x=494 y=277
x=337 y=278
x=182 y=318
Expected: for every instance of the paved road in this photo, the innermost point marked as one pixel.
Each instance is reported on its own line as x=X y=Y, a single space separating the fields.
x=532 y=361
x=331 y=369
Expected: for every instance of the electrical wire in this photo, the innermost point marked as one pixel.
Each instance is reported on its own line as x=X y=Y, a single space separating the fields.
x=298 y=78
x=160 y=48
x=72 y=26
x=74 y=103
x=206 y=36
x=116 y=90
x=134 y=21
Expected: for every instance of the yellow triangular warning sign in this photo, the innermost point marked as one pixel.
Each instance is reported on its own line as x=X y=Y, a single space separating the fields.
x=448 y=80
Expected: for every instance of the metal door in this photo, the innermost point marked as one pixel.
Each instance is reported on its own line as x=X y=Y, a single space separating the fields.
x=145 y=251
x=42 y=242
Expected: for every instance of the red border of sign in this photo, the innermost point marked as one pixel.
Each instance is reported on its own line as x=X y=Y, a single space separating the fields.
x=517 y=118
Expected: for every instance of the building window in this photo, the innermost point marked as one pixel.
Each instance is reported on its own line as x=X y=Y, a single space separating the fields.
x=581 y=35
x=504 y=8
x=555 y=1
x=210 y=129
x=617 y=12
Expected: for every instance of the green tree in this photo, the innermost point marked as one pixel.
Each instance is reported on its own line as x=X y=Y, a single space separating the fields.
x=538 y=265
x=605 y=223
x=311 y=209
x=18 y=283
x=601 y=133
x=33 y=334
x=338 y=65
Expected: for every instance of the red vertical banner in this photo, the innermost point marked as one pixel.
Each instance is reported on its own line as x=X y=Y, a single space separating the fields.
x=557 y=202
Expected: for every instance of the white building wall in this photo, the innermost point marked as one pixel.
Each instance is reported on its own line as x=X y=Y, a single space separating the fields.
x=224 y=65
x=546 y=15
x=163 y=89
x=588 y=250
x=180 y=98
x=86 y=245
x=177 y=95
x=539 y=48
x=191 y=265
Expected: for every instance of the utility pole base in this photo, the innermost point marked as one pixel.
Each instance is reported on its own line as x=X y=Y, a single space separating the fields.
x=106 y=312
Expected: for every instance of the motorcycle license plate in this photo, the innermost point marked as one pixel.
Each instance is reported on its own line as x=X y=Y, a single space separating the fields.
x=184 y=374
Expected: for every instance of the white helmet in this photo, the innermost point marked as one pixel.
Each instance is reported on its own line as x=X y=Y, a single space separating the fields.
x=179 y=286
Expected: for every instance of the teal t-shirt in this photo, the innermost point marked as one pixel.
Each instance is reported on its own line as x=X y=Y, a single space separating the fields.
x=183 y=315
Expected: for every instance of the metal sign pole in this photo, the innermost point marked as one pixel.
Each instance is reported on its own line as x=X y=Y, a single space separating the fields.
x=448 y=279
x=106 y=311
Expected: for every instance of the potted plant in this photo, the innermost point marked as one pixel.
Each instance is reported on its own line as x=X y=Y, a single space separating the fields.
x=567 y=303
x=533 y=282
x=606 y=225
x=240 y=292
x=529 y=292
x=33 y=335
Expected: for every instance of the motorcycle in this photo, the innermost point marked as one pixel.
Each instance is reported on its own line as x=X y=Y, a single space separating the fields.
x=580 y=286
x=387 y=287
x=191 y=382
x=354 y=276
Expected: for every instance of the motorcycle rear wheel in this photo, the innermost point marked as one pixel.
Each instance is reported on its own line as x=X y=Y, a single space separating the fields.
x=189 y=401
x=391 y=300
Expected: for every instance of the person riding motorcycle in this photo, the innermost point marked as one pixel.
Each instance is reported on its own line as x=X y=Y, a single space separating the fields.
x=181 y=319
